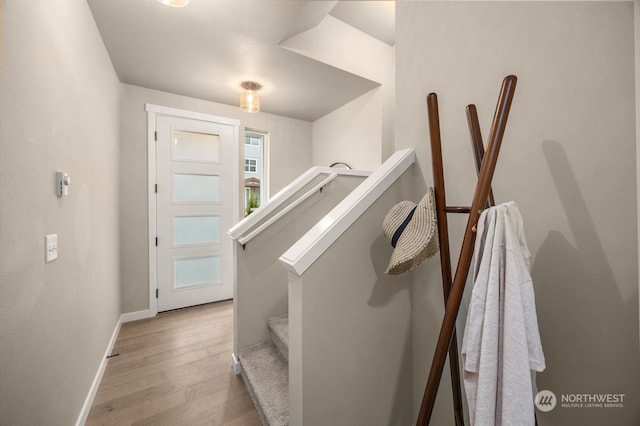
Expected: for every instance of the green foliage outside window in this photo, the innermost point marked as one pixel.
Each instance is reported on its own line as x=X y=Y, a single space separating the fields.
x=252 y=204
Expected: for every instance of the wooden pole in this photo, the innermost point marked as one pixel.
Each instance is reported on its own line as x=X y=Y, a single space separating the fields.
x=443 y=235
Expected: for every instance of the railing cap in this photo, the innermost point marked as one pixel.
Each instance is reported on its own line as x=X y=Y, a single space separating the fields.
x=299 y=257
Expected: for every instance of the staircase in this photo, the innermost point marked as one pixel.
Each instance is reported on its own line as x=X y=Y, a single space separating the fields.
x=265 y=372
x=326 y=243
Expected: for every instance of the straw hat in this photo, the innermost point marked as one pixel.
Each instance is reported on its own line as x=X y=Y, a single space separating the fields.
x=412 y=230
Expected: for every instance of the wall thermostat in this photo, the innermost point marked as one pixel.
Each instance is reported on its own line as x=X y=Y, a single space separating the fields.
x=62 y=183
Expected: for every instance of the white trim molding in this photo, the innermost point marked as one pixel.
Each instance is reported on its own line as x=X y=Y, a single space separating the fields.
x=310 y=247
x=183 y=113
x=135 y=316
x=93 y=390
x=235 y=364
x=151 y=185
x=153 y=111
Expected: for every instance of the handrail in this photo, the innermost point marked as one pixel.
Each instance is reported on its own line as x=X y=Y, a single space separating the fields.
x=318 y=239
x=245 y=226
x=340 y=163
x=244 y=240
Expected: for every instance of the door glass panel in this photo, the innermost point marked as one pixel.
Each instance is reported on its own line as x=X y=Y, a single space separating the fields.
x=197 y=271
x=196 y=230
x=194 y=146
x=196 y=188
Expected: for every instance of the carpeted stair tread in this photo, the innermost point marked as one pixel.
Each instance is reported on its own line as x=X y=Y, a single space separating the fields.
x=279 y=329
x=266 y=375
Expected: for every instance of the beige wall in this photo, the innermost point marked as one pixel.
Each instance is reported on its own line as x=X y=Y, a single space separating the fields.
x=350 y=343
x=59 y=100
x=360 y=132
x=568 y=159
x=289 y=153
x=352 y=133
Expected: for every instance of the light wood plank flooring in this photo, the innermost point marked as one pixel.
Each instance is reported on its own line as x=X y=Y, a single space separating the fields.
x=175 y=369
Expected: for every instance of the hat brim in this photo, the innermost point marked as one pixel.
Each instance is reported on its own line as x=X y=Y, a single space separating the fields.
x=419 y=240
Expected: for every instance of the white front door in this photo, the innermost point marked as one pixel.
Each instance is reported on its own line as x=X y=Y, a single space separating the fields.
x=194 y=209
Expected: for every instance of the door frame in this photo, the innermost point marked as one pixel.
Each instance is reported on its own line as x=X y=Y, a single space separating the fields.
x=153 y=111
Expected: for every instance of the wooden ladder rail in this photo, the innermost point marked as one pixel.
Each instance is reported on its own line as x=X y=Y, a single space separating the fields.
x=481 y=199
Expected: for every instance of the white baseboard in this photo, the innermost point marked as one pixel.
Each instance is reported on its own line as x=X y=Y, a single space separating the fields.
x=235 y=364
x=134 y=316
x=88 y=402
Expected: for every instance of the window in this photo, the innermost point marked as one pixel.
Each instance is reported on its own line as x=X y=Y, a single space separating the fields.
x=255 y=169
x=250 y=165
x=251 y=139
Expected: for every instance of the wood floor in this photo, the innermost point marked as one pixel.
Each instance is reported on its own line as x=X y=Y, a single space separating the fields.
x=175 y=369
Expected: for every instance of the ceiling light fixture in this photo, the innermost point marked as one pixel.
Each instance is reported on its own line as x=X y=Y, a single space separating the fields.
x=175 y=3
x=249 y=99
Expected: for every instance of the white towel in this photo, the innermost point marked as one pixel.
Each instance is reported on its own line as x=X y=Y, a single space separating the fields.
x=501 y=342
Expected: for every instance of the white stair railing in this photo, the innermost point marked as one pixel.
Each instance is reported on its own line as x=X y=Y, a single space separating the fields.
x=245 y=239
x=347 y=317
x=259 y=220
x=260 y=282
x=319 y=238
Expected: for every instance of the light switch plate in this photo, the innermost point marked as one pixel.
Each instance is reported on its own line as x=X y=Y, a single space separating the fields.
x=50 y=247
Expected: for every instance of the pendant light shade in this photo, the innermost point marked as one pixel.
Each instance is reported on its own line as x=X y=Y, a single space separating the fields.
x=175 y=3
x=249 y=99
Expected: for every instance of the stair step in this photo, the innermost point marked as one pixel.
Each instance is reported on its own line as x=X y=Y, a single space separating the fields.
x=279 y=330
x=266 y=375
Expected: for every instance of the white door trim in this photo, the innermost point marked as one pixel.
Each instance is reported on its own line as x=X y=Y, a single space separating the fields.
x=152 y=112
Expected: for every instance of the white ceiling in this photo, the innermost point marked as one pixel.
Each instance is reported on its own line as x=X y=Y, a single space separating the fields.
x=205 y=50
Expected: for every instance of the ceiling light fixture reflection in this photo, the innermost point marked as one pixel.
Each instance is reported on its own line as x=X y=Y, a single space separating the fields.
x=174 y=3
x=249 y=99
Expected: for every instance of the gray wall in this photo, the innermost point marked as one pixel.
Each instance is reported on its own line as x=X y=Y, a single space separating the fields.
x=350 y=343
x=568 y=159
x=59 y=101
x=289 y=152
